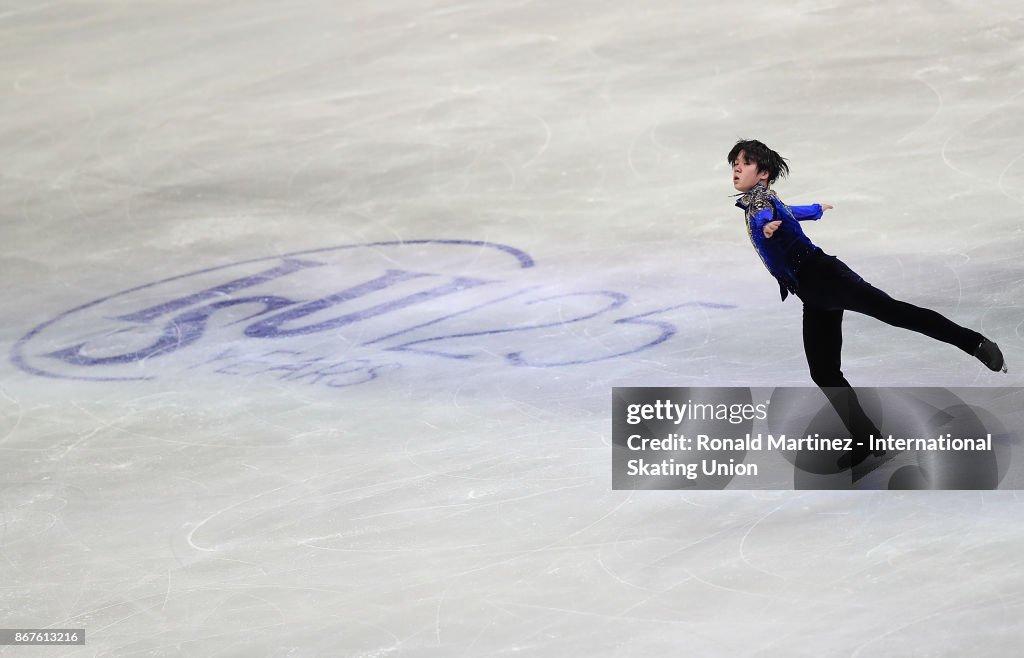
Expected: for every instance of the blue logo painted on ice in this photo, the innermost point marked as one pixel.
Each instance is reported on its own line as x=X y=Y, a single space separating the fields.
x=341 y=316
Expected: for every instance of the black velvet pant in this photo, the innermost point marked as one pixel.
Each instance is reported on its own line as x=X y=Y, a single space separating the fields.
x=828 y=287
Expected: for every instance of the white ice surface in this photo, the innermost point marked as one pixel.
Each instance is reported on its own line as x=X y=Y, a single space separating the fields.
x=199 y=503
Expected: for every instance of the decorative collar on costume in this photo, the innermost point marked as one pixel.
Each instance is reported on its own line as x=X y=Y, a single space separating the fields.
x=758 y=191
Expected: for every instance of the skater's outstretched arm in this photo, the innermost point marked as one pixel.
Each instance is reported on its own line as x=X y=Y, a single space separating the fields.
x=769 y=228
x=813 y=211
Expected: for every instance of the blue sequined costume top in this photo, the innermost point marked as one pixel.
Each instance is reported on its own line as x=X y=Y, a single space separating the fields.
x=785 y=250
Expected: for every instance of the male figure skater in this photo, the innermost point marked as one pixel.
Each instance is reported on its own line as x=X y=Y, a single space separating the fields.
x=826 y=285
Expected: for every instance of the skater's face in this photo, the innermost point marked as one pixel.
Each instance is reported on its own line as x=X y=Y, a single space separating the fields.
x=745 y=174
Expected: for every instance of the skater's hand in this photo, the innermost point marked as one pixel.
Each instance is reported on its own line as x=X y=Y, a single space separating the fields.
x=769 y=228
x=825 y=206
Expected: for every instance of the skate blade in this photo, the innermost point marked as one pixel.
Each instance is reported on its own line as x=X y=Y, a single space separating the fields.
x=871 y=464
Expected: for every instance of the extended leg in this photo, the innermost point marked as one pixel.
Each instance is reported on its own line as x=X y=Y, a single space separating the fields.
x=865 y=298
x=844 y=288
x=869 y=300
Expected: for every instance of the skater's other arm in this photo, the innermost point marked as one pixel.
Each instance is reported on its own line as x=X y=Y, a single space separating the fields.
x=762 y=220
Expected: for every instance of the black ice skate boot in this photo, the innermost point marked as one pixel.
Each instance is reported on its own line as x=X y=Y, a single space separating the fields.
x=989 y=354
x=852 y=458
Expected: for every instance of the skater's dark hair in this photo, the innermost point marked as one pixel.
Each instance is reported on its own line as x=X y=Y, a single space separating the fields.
x=765 y=158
